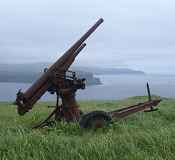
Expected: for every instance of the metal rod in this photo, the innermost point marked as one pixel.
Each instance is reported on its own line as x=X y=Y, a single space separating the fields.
x=124 y=112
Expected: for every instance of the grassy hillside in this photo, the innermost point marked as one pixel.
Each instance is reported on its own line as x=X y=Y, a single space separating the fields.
x=140 y=136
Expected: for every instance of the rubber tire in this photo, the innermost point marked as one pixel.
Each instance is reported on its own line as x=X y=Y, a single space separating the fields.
x=87 y=119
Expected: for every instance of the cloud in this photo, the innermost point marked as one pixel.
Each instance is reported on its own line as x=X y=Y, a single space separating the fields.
x=134 y=32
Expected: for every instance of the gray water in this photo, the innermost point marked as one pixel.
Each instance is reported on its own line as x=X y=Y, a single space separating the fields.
x=114 y=87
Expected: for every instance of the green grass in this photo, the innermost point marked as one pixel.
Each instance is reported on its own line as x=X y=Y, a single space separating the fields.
x=148 y=136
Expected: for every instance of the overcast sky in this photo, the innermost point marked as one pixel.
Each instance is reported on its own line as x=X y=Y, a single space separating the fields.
x=137 y=34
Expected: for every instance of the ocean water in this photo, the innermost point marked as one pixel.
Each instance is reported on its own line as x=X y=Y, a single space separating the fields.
x=113 y=87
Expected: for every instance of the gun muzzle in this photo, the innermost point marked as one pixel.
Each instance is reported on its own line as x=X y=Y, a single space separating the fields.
x=21 y=102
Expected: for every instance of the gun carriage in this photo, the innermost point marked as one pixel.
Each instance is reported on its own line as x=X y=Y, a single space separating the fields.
x=64 y=83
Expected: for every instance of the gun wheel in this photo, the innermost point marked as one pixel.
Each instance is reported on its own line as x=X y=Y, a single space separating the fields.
x=95 y=119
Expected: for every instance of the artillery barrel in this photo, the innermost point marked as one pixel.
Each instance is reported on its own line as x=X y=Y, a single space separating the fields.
x=34 y=93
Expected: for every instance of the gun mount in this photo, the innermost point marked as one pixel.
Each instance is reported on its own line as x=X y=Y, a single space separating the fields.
x=58 y=79
x=54 y=79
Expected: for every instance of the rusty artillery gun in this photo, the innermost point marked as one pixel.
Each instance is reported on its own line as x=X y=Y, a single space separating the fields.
x=64 y=83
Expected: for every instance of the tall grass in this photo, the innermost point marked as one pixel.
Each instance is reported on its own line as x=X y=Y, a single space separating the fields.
x=140 y=136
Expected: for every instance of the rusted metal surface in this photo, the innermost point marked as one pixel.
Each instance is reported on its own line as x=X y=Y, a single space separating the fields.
x=26 y=100
x=145 y=106
x=126 y=111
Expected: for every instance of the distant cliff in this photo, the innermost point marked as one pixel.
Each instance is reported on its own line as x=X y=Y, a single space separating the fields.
x=28 y=73
x=99 y=71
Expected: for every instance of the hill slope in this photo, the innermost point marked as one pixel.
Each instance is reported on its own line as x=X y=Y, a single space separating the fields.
x=140 y=136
